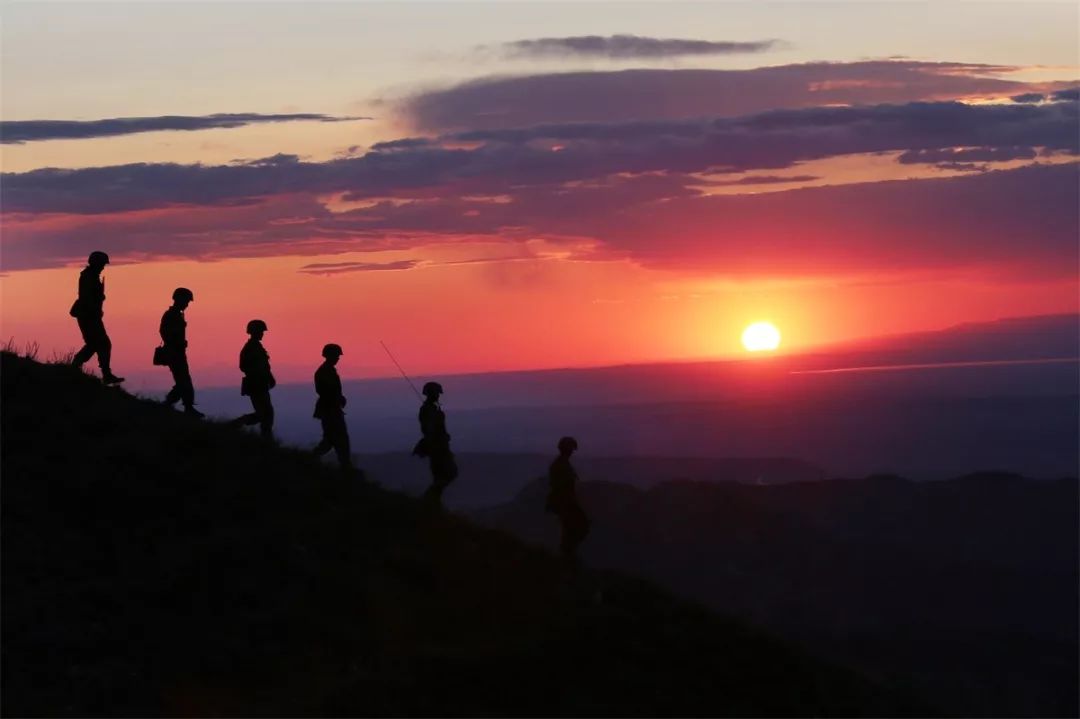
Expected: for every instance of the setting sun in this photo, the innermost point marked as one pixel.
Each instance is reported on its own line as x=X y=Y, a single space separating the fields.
x=761 y=336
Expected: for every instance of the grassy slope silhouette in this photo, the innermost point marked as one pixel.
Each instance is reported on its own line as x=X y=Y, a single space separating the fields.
x=157 y=565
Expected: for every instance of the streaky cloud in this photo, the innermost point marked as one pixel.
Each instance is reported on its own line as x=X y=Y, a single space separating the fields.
x=765 y=180
x=586 y=151
x=643 y=94
x=18 y=132
x=619 y=47
x=954 y=156
x=1018 y=224
x=337 y=268
x=1028 y=97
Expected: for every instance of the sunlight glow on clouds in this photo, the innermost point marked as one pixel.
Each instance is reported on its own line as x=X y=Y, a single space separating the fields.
x=793 y=187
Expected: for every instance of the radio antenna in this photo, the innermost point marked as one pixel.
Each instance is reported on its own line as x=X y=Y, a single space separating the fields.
x=402 y=371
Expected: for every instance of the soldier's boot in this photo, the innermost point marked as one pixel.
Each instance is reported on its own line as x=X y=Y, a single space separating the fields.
x=107 y=377
x=190 y=411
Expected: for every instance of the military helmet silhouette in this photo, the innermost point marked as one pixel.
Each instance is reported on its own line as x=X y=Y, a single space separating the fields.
x=332 y=350
x=567 y=443
x=183 y=293
x=256 y=326
x=97 y=257
x=432 y=388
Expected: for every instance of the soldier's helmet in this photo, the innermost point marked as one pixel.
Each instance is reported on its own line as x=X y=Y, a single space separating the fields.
x=256 y=326
x=432 y=389
x=97 y=257
x=332 y=350
x=567 y=444
x=183 y=293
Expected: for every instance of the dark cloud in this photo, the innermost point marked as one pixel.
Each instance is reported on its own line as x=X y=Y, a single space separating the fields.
x=405 y=143
x=1020 y=223
x=22 y=131
x=555 y=154
x=1072 y=93
x=766 y=180
x=627 y=46
x=1028 y=97
x=962 y=167
x=965 y=155
x=279 y=160
x=337 y=268
x=655 y=94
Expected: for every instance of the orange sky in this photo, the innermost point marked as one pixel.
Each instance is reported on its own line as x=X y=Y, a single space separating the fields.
x=616 y=244
x=478 y=317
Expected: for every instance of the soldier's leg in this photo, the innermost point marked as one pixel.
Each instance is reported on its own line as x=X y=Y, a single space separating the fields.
x=566 y=544
x=579 y=526
x=175 y=393
x=264 y=413
x=183 y=383
x=443 y=472
x=341 y=443
x=88 y=348
x=575 y=527
x=326 y=443
x=252 y=417
x=104 y=353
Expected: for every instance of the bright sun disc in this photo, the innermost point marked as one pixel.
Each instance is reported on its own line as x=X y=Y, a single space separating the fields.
x=761 y=336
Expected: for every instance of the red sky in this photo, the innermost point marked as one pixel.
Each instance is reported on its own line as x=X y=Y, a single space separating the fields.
x=523 y=215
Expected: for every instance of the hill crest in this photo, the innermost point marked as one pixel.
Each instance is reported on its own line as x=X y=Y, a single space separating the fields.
x=157 y=565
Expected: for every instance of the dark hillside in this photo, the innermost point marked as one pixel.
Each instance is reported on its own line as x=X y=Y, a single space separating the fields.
x=963 y=589
x=157 y=565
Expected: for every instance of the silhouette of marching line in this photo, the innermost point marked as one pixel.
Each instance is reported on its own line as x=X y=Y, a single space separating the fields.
x=173 y=351
x=434 y=443
x=330 y=408
x=88 y=310
x=258 y=380
x=562 y=501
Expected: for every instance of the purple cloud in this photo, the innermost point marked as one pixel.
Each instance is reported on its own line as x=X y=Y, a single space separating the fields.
x=337 y=268
x=765 y=180
x=22 y=131
x=938 y=156
x=627 y=46
x=1028 y=97
x=555 y=154
x=1020 y=223
x=656 y=94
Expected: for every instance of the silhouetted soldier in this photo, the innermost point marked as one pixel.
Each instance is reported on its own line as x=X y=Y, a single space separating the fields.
x=562 y=500
x=173 y=332
x=89 y=312
x=330 y=408
x=258 y=380
x=435 y=443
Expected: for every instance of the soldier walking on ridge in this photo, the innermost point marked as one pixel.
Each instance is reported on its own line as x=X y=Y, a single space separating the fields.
x=562 y=501
x=89 y=311
x=173 y=351
x=330 y=408
x=258 y=381
x=435 y=443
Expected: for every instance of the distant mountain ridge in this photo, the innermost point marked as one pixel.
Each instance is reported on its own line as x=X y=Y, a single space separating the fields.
x=965 y=590
x=1012 y=338
x=1006 y=339
x=497 y=478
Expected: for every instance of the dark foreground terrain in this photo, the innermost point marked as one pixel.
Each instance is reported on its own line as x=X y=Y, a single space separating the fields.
x=965 y=590
x=157 y=565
